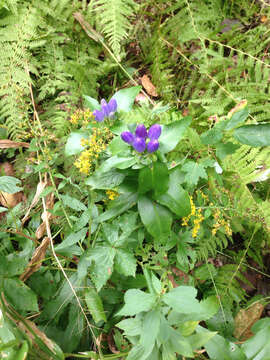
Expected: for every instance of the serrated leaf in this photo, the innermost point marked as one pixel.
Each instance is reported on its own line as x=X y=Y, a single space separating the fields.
x=94 y=305
x=9 y=184
x=73 y=203
x=125 y=263
x=237 y=118
x=194 y=172
x=137 y=301
x=212 y=136
x=20 y=295
x=72 y=239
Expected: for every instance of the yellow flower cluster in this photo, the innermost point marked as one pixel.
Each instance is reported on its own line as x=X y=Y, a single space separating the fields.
x=196 y=216
x=220 y=222
x=94 y=146
x=82 y=117
x=111 y=194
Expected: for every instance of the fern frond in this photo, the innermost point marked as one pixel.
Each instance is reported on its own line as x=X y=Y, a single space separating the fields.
x=113 y=18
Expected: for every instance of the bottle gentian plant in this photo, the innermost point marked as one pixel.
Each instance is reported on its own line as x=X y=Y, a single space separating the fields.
x=142 y=140
x=107 y=110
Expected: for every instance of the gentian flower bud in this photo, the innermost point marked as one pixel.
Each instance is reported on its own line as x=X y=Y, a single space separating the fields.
x=139 y=144
x=99 y=115
x=141 y=131
x=152 y=146
x=128 y=137
x=104 y=107
x=154 y=132
x=112 y=105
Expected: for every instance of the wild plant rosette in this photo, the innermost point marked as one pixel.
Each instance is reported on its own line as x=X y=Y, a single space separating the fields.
x=142 y=139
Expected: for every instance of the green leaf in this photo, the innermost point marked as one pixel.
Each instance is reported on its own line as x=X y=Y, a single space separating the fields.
x=171 y=134
x=155 y=178
x=105 y=180
x=117 y=145
x=72 y=239
x=156 y=218
x=94 y=305
x=137 y=301
x=194 y=172
x=73 y=145
x=125 y=263
x=91 y=103
x=125 y=98
x=258 y=346
x=131 y=327
x=20 y=295
x=212 y=136
x=224 y=149
x=183 y=300
x=253 y=135
x=118 y=206
x=198 y=340
x=117 y=162
x=9 y=184
x=150 y=330
x=73 y=203
x=237 y=118
x=176 y=198
x=100 y=260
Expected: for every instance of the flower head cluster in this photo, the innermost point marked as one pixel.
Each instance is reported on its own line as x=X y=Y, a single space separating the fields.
x=195 y=216
x=139 y=140
x=107 y=110
x=93 y=147
x=81 y=117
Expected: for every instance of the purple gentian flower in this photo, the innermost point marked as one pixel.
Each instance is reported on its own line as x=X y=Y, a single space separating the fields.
x=141 y=131
x=139 y=144
x=107 y=110
x=154 y=132
x=128 y=137
x=152 y=146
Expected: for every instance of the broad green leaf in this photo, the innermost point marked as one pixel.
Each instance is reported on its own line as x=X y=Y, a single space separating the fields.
x=183 y=300
x=117 y=145
x=3 y=209
x=137 y=301
x=12 y=264
x=171 y=134
x=117 y=162
x=258 y=346
x=9 y=184
x=180 y=344
x=131 y=327
x=125 y=98
x=224 y=149
x=105 y=180
x=212 y=136
x=253 y=135
x=194 y=172
x=73 y=145
x=156 y=218
x=74 y=330
x=20 y=295
x=150 y=330
x=110 y=232
x=176 y=198
x=200 y=339
x=91 y=103
x=118 y=206
x=94 y=305
x=125 y=263
x=136 y=353
x=73 y=203
x=72 y=239
x=155 y=177
x=237 y=118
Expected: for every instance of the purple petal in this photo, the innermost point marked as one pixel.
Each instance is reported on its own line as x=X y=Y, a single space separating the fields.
x=154 y=132
x=152 y=146
x=139 y=144
x=99 y=115
x=128 y=137
x=141 y=131
x=112 y=105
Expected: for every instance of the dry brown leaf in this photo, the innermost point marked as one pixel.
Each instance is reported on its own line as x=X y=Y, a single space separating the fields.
x=245 y=319
x=10 y=200
x=40 y=187
x=7 y=169
x=149 y=87
x=49 y=205
x=7 y=144
x=36 y=260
